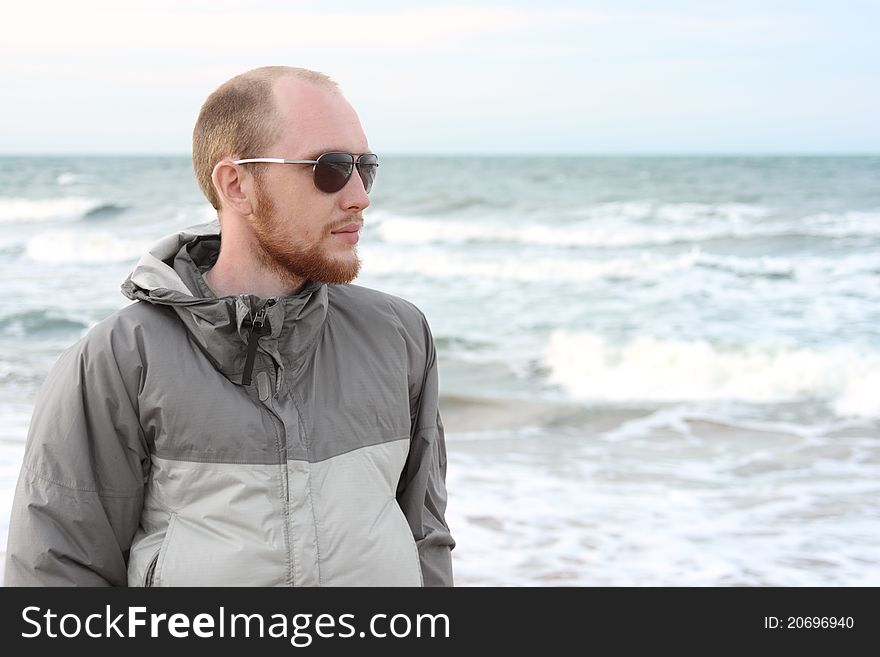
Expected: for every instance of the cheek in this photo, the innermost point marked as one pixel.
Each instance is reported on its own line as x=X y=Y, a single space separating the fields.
x=307 y=223
x=318 y=215
x=304 y=214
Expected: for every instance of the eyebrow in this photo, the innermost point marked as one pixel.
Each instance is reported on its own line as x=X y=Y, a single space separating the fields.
x=314 y=154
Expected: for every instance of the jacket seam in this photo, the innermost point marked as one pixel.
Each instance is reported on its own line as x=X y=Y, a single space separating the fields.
x=269 y=463
x=208 y=460
x=354 y=449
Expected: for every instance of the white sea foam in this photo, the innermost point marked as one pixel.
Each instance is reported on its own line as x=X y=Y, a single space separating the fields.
x=588 y=366
x=806 y=270
x=191 y=215
x=685 y=502
x=689 y=213
x=860 y=397
x=71 y=247
x=49 y=209
x=430 y=231
x=67 y=178
x=848 y=224
x=447 y=265
x=631 y=224
x=444 y=263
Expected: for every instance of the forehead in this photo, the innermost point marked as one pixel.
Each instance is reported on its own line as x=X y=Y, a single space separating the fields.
x=316 y=119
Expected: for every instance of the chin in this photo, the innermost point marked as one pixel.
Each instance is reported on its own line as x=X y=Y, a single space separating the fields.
x=337 y=271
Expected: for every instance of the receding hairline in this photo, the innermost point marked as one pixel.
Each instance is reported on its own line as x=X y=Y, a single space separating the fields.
x=242 y=115
x=274 y=74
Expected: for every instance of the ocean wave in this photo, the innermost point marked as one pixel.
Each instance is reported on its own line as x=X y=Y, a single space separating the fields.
x=582 y=234
x=49 y=209
x=68 y=178
x=627 y=225
x=439 y=263
x=646 y=369
x=10 y=248
x=57 y=247
x=105 y=211
x=846 y=224
x=39 y=322
x=193 y=214
x=804 y=269
x=445 y=265
x=459 y=343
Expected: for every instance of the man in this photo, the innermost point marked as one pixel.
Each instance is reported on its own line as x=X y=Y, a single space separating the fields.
x=252 y=419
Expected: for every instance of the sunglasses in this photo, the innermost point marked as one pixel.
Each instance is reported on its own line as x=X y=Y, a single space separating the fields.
x=332 y=170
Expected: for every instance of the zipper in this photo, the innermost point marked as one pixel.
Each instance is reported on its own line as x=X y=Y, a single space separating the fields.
x=259 y=327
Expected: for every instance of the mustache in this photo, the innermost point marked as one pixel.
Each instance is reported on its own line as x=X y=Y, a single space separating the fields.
x=354 y=218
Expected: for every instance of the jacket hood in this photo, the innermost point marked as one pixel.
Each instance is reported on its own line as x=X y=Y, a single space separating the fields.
x=171 y=274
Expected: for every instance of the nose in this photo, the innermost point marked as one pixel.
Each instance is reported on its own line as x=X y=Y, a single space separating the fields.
x=353 y=197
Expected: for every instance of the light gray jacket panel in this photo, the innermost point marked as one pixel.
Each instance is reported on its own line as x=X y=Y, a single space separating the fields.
x=153 y=395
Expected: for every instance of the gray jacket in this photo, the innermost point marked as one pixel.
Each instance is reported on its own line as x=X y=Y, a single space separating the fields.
x=162 y=453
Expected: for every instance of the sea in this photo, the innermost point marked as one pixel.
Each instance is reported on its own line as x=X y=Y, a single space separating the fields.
x=654 y=371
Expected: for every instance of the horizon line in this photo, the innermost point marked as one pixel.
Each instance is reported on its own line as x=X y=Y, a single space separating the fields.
x=487 y=154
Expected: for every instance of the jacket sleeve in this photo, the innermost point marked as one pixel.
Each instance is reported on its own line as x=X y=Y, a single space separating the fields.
x=80 y=491
x=421 y=492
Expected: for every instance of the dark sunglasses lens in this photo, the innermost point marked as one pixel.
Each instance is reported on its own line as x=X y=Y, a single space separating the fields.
x=332 y=171
x=368 y=166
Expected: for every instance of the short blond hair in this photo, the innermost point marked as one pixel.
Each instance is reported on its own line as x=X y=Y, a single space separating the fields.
x=241 y=119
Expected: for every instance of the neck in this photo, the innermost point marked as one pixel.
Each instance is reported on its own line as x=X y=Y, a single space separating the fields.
x=244 y=268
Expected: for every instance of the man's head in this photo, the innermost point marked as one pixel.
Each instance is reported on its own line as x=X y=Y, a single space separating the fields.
x=293 y=114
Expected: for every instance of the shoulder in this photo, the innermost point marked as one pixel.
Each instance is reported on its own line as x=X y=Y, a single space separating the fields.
x=386 y=323
x=119 y=341
x=377 y=308
x=130 y=324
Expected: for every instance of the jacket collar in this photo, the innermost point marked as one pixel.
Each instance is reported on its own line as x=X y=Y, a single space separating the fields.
x=171 y=275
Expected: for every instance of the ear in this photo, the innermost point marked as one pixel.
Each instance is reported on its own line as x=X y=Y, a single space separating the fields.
x=234 y=187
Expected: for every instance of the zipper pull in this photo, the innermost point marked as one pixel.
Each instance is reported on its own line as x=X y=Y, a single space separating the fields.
x=258 y=328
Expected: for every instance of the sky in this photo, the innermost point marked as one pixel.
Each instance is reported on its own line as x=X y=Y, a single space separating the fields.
x=477 y=77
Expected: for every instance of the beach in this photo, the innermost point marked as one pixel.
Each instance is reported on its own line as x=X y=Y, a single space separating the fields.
x=640 y=497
